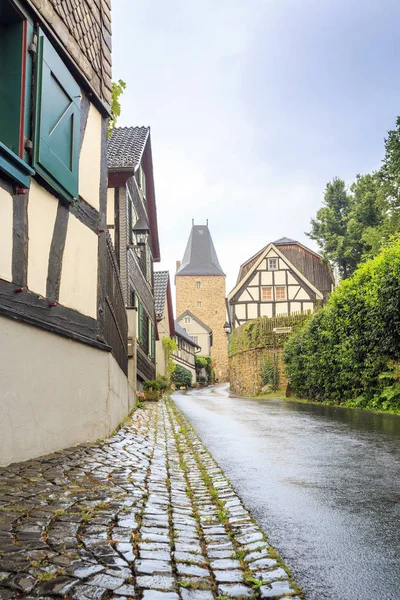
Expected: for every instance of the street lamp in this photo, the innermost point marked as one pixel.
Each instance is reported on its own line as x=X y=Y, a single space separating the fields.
x=227 y=328
x=141 y=232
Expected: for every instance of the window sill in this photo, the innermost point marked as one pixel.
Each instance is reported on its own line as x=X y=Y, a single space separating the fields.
x=14 y=167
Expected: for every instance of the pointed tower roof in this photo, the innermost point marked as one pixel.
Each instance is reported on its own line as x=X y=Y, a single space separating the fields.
x=200 y=257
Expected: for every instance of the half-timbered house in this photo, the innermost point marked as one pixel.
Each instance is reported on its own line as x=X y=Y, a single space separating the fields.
x=185 y=354
x=63 y=324
x=198 y=331
x=132 y=223
x=164 y=316
x=283 y=278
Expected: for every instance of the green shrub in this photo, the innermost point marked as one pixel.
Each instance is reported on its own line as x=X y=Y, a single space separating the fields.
x=151 y=385
x=349 y=350
x=181 y=377
x=163 y=382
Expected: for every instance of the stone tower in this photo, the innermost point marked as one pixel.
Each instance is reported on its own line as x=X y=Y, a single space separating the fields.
x=200 y=288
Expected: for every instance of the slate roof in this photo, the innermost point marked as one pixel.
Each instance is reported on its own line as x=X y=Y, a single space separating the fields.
x=125 y=146
x=200 y=257
x=284 y=240
x=179 y=331
x=160 y=292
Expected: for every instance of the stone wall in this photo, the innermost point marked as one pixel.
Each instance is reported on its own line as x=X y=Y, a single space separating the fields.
x=83 y=27
x=212 y=312
x=245 y=370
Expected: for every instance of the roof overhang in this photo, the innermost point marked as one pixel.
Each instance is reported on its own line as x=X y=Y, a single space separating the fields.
x=119 y=176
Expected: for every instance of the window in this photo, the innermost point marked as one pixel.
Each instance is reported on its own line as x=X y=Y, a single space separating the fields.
x=56 y=119
x=199 y=305
x=151 y=341
x=148 y=265
x=272 y=264
x=198 y=284
x=280 y=293
x=132 y=216
x=140 y=323
x=187 y=319
x=16 y=34
x=195 y=338
x=266 y=293
x=142 y=181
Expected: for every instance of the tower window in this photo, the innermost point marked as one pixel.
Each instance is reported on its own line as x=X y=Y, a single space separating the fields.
x=199 y=305
x=198 y=284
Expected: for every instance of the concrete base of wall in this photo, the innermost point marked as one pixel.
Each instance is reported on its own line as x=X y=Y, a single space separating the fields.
x=245 y=370
x=55 y=392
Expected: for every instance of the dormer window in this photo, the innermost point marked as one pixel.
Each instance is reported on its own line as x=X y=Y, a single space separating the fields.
x=142 y=181
x=187 y=320
x=272 y=264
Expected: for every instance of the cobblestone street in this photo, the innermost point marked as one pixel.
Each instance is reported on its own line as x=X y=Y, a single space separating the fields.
x=145 y=514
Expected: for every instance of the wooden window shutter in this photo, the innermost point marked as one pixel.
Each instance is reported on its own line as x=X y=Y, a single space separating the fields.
x=153 y=341
x=57 y=122
x=140 y=322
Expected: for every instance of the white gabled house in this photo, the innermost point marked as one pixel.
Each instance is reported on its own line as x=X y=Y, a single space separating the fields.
x=283 y=278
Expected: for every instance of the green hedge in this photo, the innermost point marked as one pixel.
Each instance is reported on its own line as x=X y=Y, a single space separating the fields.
x=259 y=333
x=348 y=350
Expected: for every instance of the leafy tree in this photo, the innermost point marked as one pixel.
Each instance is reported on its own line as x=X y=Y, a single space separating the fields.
x=169 y=346
x=117 y=89
x=329 y=228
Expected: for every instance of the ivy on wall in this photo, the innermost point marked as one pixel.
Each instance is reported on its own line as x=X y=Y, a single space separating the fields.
x=260 y=333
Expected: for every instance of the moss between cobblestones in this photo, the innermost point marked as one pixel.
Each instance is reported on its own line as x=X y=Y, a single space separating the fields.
x=222 y=513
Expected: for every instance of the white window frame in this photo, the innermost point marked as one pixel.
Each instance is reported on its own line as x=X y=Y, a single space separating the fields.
x=187 y=320
x=198 y=284
x=195 y=338
x=271 y=295
x=198 y=303
x=280 y=287
x=271 y=261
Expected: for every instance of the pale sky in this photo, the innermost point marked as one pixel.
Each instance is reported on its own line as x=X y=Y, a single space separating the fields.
x=254 y=105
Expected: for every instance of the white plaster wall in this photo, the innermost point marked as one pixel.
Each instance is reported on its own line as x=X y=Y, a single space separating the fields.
x=295 y=307
x=266 y=278
x=6 y=235
x=281 y=308
x=291 y=279
x=252 y=312
x=282 y=264
x=110 y=206
x=90 y=159
x=308 y=306
x=55 y=392
x=266 y=310
x=78 y=289
x=280 y=277
x=240 y=311
x=292 y=291
x=303 y=295
x=42 y=212
x=245 y=296
x=255 y=292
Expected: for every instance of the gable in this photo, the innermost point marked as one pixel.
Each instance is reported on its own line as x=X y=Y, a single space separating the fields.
x=266 y=274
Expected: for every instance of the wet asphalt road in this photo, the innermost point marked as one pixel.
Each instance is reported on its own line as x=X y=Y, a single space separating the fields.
x=323 y=482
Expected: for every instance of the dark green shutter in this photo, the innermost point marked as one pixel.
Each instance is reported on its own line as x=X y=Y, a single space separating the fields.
x=140 y=322
x=57 y=122
x=153 y=342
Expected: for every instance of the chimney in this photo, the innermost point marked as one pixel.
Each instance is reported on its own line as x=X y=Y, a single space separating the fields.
x=178 y=264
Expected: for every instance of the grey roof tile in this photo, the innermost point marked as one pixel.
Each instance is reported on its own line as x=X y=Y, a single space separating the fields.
x=160 y=292
x=200 y=257
x=125 y=146
x=179 y=331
